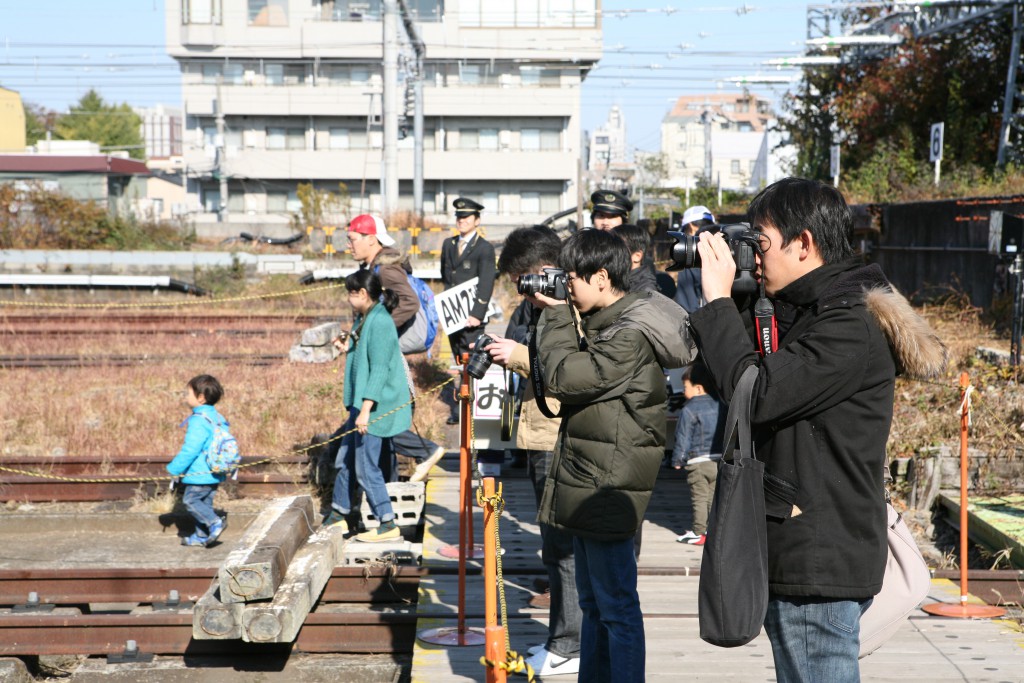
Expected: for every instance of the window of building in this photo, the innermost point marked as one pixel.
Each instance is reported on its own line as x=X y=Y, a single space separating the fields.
x=293 y=205
x=276 y=137
x=529 y=202
x=528 y=13
x=234 y=73
x=236 y=201
x=210 y=136
x=538 y=77
x=735 y=166
x=550 y=140
x=470 y=74
x=489 y=139
x=200 y=11
x=296 y=138
x=550 y=203
x=743 y=106
x=277 y=201
x=268 y=12
x=744 y=127
x=233 y=139
x=294 y=74
x=529 y=139
x=211 y=200
x=211 y=72
x=601 y=140
x=469 y=138
x=339 y=138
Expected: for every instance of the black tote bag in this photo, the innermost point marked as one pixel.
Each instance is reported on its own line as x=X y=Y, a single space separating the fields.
x=732 y=598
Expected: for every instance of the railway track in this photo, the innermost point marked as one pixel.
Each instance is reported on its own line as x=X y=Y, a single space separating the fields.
x=202 y=320
x=103 y=473
x=128 y=360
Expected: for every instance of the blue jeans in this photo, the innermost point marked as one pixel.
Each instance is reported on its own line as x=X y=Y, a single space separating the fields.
x=556 y=553
x=363 y=455
x=612 y=646
x=198 y=500
x=815 y=639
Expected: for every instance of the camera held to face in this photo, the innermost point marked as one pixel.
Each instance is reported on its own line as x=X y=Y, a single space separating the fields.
x=479 y=360
x=744 y=243
x=552 y=283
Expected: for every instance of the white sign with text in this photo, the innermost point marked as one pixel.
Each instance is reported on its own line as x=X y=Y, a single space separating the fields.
x=454 y=305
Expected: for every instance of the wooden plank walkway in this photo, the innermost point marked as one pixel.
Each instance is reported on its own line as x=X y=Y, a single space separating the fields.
x=927 y=649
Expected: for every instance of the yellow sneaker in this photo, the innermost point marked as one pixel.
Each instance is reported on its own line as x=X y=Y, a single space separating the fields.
x=387 y=531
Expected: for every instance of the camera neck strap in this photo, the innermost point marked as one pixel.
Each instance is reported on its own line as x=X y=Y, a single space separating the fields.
x=767 y=331
x=535 y=374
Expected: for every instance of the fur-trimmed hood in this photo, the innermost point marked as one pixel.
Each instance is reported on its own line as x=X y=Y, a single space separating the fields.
x=389 y=255
x=918 y=351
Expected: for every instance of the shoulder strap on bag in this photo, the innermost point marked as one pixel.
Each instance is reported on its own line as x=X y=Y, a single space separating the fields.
x=737 y=423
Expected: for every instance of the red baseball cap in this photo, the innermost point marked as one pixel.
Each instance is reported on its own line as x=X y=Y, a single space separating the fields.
x=367 y=224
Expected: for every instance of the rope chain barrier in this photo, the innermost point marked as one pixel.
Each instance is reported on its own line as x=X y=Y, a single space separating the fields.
x=514 y=662
x=261 y=461
x=168 y=304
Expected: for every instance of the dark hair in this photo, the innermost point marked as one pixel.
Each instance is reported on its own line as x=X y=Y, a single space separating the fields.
x=635 y=237
x=793 y=205
x=699 y=375
x=208 y=387
x=527 y=248
x=364 y=278
x=588 y=251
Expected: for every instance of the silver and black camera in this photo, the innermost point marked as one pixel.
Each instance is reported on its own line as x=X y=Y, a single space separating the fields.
x=552 y=283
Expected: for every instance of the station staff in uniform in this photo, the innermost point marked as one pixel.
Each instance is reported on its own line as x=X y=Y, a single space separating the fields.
x=609 y=209
x=464 y=257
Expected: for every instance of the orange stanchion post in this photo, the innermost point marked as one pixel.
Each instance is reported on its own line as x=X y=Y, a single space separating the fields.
x=461 y=635
x=495 y=634
x=963 y=610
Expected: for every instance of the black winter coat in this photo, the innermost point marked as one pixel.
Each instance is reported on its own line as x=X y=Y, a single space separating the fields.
x=821 y=416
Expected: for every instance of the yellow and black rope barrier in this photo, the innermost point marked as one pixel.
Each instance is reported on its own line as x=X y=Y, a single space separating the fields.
x=169 y=304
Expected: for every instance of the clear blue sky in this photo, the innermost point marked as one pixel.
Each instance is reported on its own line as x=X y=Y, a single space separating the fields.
x=52 y=52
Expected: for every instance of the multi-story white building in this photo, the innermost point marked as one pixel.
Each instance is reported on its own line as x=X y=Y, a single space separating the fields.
x=718 y=136
x=608 y=143
x=299 y=82
x=162 y=132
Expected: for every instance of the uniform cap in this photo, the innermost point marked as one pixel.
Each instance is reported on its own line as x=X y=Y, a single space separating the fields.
x=366 y=224
x=611 y=202
x=696 y=213
x=466 y=207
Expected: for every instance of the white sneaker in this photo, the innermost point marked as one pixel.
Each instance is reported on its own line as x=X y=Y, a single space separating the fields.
x=423 y=469
x=546 y=663
x=688 y=537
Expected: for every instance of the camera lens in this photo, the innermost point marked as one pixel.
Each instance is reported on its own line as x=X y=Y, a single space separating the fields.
x=530 y=283
x=480 y=360
x=684 y=251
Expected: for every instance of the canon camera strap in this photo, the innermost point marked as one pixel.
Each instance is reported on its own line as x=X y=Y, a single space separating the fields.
x=767 y=331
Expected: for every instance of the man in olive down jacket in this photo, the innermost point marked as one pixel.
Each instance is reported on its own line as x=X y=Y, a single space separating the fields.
x=612 y=438
x=820 y=414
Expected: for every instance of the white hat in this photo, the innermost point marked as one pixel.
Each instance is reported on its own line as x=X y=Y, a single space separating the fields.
x=366 y=224
x=696 y=213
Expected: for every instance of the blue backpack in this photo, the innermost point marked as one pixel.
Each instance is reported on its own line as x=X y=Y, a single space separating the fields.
x=419 y=336
x=222 y=456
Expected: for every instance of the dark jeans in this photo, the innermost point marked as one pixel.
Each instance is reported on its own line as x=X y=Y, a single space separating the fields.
x=556 y=552
x=360 y=458
x=612 y=644
x=198 y=500
x=411 y=444
x=815 y=639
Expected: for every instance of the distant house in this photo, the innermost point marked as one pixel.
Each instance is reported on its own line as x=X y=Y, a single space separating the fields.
x=102 y=178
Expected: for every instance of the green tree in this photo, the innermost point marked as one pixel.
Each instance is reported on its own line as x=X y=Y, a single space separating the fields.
x=38 y=120
x=112 y=126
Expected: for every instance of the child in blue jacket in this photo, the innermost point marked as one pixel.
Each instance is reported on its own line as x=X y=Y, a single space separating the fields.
x=201 y=394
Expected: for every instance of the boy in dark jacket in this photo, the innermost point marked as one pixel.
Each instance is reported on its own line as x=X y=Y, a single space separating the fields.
x=612 y=438
x=820 y=414
x=699 y=435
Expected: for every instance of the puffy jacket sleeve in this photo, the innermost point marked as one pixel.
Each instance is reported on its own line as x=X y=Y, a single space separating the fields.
x=196 y=437
x=577 y=377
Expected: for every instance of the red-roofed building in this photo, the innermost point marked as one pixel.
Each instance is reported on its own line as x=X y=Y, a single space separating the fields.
x=96 y=177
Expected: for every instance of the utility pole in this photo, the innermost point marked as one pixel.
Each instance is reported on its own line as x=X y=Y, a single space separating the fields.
x=417 y=120
x=222 y=213
x=389 y=190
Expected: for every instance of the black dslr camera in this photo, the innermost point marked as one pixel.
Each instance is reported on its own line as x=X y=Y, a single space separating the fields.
x=479 y=360
x=743 y=242
x=552 y=283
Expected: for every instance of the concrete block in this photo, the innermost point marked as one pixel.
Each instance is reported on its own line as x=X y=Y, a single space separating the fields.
x=407 y=500
x=256 y=567
x=393 y=552
x=312 y=354
x=321 y=335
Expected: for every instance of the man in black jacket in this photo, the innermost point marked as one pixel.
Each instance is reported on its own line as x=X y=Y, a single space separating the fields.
x=464 y=257
x=821 y=413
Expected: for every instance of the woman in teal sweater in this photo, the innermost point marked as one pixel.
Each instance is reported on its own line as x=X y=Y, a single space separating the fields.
x=377 y=397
